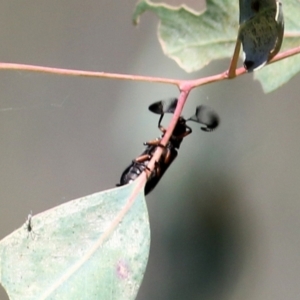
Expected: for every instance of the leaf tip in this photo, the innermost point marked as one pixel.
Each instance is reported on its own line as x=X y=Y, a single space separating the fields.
x=140 y=8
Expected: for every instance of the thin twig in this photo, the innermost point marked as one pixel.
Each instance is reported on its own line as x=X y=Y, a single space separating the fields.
x=285 y=54
x=234 y=60
x=81 y=73
x=185 y=86
x=177 y=82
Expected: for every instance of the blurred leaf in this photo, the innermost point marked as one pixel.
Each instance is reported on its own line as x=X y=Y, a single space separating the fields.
x=193 y=40
x=277 y=74
x=78 y=250
x=261 y=31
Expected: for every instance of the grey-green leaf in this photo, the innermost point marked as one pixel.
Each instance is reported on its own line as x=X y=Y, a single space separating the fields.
x=193 y=40
x=95 y=247
x=277 y=74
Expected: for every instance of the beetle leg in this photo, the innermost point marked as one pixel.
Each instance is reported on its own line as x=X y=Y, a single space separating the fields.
x=142 y=158
x=161 y=146
x=167 y=156
x=152 y=143
x=161 y=128
x=157 y=169
x=148 y=172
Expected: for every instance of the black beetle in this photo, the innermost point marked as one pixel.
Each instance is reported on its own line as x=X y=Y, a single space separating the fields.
x=203 y=115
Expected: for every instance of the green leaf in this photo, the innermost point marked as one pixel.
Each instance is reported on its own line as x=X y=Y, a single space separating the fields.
x=193 y=40
x=277 y=74
x=95 y=247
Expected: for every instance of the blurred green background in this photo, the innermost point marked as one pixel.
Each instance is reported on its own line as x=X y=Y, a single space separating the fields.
x=224 y=218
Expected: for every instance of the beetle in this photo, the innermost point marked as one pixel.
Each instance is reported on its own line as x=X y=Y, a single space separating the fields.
x=203 y=115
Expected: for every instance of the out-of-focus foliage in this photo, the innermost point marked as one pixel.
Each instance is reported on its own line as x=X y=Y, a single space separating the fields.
x=193 y=40
x=83 y=249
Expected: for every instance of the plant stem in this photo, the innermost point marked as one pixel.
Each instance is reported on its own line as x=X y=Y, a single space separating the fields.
x=182 y=84
x=81 y=73
x=185 y=86
x=180 y=104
